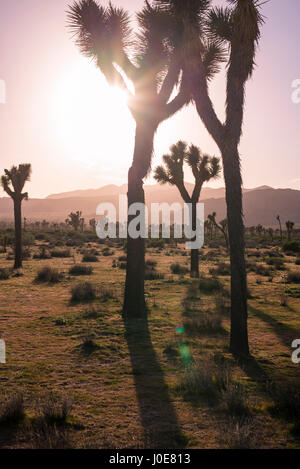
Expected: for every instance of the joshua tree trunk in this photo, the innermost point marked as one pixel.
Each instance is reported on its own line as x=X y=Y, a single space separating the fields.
x=226 y=239
x=239 y=314
x=280 y=227
x=134 y=297
x=194 y=252
x=18 y=233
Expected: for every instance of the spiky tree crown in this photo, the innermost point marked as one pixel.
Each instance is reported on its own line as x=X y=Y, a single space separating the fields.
x=105 y=35
x=204 y=167
x=13 y=180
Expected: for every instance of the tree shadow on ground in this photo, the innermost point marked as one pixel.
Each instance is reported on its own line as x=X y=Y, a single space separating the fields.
x=158 y=417
x=286 y=334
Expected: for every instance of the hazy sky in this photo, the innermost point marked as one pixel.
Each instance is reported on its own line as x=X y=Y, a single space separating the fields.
x=62 y=118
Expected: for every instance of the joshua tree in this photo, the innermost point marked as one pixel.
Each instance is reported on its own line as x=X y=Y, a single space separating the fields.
x=13 y=182
x=237 y=28
x=289 y=227
x=222 y=226
x=204 y=168
x=271 y=233
x=154 y=68
x=259 y=229
x=4 y=241
x=92 y=223
x=208 y=228
x=280 y=226
x=74 y=219
x=45 y=225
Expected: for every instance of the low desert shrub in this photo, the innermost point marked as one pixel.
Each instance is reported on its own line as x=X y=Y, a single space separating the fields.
x=4 y=274
x=55 y=411
x=61 y=253
x=291 y=246
x=83 y=291
x=106 y=293
x=277 y=263
x=179 y=269
x=238 y=433
x=89 y=258
x=221 y=269
x=293 y=277
x=209 y=285
x=205 y=323
x=49 y=275
x=235 y=400
x=81 y=269
x=12 y=410
x=204 y=380
x=42 y=254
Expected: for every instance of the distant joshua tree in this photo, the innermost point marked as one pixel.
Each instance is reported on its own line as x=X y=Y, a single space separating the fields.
x=259 y=230
x=252 y=231
x=289 y=227
x=280 y=226
x=208 y=226
x=75 y=220
x=271 y=233
x=92 y=223
x=4 y=243
x=45 y=225
x=150 y=62
x=13 y=182
x=204 y=168
x=222 y=226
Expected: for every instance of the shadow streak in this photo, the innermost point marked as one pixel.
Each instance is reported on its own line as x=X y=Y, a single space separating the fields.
x=285 y=333
x=158 y=416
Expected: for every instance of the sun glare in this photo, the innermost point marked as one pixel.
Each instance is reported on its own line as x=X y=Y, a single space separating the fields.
x=91 y=119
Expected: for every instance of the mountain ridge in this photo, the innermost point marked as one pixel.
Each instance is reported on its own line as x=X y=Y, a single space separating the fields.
x=261 y=205
x=113 y=189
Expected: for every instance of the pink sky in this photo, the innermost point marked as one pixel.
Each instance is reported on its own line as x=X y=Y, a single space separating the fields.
x=37 y=57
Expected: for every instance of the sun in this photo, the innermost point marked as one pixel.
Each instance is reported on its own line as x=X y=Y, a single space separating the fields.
x=91 y=120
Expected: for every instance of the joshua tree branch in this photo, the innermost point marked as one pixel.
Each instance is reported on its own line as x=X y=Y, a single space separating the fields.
x=170 y=81
x=6 y=188
x=204 y=104
x=183 y=98
x=197 y=189
x=129 y=68
x=183 y=192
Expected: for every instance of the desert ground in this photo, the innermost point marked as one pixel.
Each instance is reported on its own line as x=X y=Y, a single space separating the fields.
x=77 y=376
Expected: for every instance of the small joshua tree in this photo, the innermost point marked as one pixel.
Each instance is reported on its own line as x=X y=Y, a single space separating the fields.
x=259 y=230
x=204 y=168
x=92 y=223
x=75 y=220
x=280 y=226
x=221 y=226
x=13 y=182
x=289 y=226
x=271 y=233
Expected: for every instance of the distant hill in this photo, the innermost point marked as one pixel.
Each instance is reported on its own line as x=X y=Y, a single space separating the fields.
x=261 y=205
x=165 y=191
